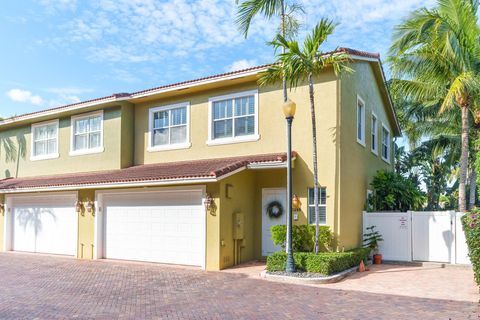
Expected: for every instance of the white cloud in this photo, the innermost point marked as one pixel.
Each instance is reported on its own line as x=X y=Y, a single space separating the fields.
x=137 y=31
x=65 y=95
x=241 y=64
x=25 y=96
x=53 y=6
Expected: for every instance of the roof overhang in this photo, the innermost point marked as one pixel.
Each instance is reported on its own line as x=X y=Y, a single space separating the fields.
x=144 y=176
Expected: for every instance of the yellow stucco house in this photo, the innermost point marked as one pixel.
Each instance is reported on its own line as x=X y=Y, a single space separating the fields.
x=183 y=173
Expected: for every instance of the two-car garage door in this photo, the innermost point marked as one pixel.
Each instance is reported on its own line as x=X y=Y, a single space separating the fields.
x=157 y=226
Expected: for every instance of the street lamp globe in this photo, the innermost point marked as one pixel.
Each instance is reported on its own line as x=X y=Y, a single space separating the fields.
x=289 y=108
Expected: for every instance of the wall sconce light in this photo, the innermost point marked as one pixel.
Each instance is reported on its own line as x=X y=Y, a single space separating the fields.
x=90 y=206
x=79 y=207
x=208 y=202
x=296 y=203
x=2 y=209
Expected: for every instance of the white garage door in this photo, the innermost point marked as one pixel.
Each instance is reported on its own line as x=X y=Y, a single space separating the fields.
x=44 y=224
x=166 y=227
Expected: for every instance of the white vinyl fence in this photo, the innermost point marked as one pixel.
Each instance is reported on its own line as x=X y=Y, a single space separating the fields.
x=420 y=236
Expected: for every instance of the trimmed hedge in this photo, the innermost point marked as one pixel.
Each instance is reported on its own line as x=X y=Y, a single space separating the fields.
x=471 y=227
x=326 y=263
x=303 y=237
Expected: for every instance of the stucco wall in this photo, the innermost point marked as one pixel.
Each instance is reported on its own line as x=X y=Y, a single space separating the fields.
x=117 y=153
x=272 y=135
x=86 y=223
x=358 y=164
x=240 y=199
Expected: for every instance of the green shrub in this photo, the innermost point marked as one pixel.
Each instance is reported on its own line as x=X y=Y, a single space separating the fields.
x=394 y=192
x=471 y=226
x=303 y=237
x=326 y=263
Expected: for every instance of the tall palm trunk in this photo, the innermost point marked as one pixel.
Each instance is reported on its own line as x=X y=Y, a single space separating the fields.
x=283 y=31
x=284 y=80
x=315 y=167
x=473 y=189
x=462 y=201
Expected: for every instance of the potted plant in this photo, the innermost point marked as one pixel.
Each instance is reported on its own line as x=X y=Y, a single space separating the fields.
x=371 y=240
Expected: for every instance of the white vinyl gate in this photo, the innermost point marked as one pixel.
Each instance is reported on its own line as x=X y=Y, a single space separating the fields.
x=420 y=236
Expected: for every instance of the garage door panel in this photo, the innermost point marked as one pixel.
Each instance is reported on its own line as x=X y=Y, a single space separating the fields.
x=44 y=224
x=161 y=227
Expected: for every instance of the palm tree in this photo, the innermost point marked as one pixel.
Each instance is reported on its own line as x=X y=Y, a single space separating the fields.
x=289 y=25
x=435 y=60
x=297 y=64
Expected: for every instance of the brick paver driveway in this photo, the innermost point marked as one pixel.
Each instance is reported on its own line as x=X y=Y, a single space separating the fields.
x=40 y=287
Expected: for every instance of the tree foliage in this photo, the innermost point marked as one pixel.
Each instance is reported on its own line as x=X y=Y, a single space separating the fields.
x=394 y=192
x=435 y=62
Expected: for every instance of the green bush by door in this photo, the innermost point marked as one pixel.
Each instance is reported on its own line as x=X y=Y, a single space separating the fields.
x=303 y=237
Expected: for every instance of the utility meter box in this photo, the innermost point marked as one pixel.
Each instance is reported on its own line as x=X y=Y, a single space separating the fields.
x=238 y=225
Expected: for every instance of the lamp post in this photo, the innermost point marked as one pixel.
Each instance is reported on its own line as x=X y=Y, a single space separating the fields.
x=289 y=108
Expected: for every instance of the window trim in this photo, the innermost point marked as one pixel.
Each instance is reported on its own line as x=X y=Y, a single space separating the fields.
x=73 y=119
x=34 y=126
x=319 y=205
x=374 y=143
x=183 y=145
x=362 y=102
x=229 y=140
x=387 y=160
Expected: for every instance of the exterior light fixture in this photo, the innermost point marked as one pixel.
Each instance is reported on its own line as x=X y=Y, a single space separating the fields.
x=90 y=207
x=2 y=209
x=208 y=202
x=289 y=107
x=79 y=207
x=296 y=203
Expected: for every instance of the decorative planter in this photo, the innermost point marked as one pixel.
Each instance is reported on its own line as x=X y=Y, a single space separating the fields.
x=377 y=259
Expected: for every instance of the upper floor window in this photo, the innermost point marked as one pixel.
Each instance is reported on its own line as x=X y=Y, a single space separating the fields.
x=233 y=118
x=385 y=144
x=169 y=127
x=360 y=121
x=322 y=205
x=44 y=140
x=87 y=133
x=374 y=130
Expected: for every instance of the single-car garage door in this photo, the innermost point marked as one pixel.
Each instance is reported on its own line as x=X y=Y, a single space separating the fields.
x=156 y=226
x=44 y=223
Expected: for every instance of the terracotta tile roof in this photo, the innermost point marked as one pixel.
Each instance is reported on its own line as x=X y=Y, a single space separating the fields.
x=198 y=169
x=127 y=96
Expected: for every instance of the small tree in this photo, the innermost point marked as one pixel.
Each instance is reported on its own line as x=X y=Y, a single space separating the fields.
x=301 y=63
x=371 y=239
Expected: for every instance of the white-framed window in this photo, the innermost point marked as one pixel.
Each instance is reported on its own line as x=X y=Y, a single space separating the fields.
x=169 y=127
x=44 y=140
x=322 y=205
x=360 y=121
x=385 y=144
x=87 y=133
x=233 y=118
x=374 y=131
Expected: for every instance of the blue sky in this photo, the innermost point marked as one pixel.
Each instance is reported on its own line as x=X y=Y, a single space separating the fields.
x=58 y=52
